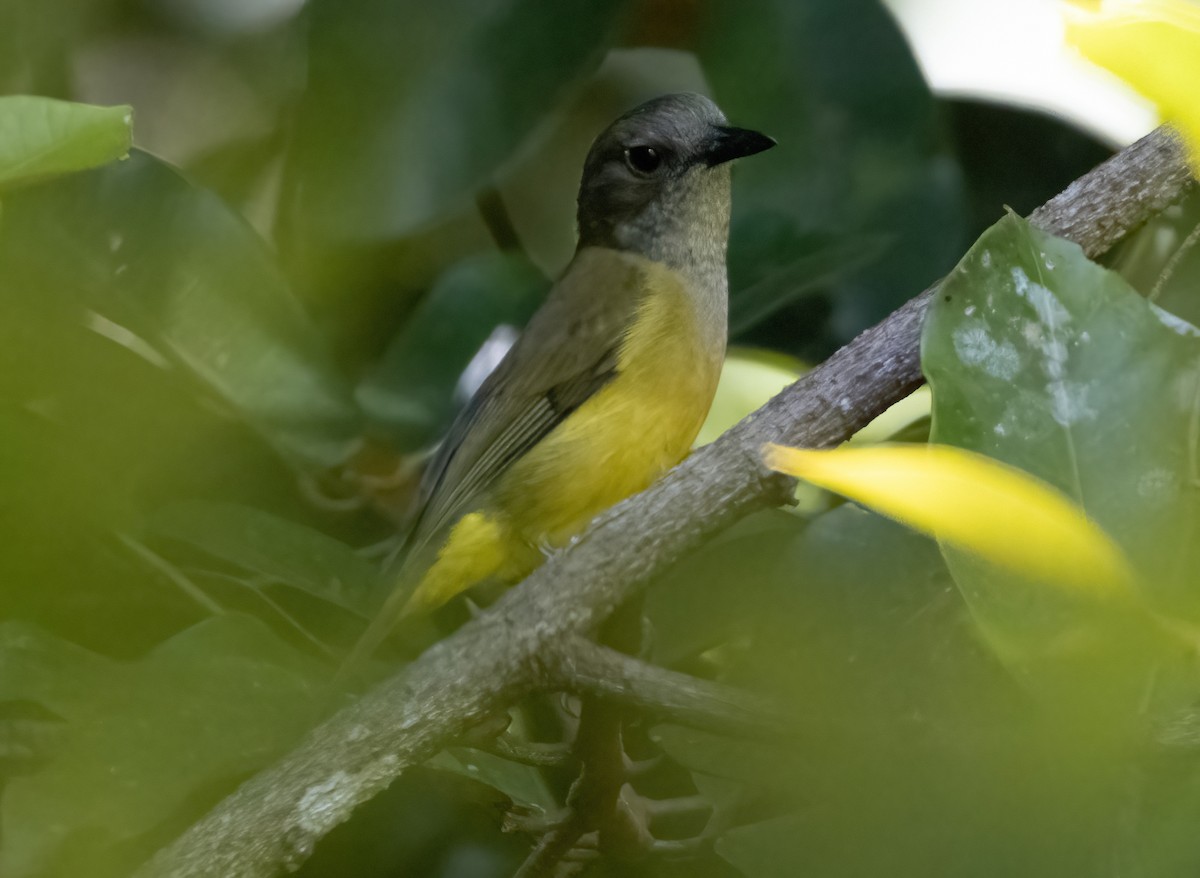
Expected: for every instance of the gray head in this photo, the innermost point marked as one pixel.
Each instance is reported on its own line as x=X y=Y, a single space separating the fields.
x=656 y=181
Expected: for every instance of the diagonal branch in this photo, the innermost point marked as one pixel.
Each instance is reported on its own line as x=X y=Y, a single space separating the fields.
x=585 y=667
x=272 y=823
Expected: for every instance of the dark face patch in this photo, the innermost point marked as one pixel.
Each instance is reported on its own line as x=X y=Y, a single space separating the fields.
x=638 y=163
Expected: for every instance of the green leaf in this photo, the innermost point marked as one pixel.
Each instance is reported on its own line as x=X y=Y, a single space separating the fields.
x=148 y=744
x=281 y=550
x=410 y=393
x=1048 y=362
x=410 y=108
x=525 y=785
x=181 y=279
x=41 y=137
x=91 y=436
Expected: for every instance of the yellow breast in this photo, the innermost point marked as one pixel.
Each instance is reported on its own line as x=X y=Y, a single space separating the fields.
x=639 y=425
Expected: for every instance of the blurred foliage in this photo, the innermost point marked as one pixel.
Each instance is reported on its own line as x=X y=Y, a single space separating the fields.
x=424 y=108
x=136 y=754
x=43 y=137
x=222 y=358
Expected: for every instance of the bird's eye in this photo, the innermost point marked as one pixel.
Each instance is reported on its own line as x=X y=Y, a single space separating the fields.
x=643 y=159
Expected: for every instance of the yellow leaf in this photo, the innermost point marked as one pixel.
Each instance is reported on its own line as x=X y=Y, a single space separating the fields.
x=971 y=502
x=1154 y=45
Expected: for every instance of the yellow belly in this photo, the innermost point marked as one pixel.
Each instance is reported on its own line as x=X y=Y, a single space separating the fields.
x=634 y=429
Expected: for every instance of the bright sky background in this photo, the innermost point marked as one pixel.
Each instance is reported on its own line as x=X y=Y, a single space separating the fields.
x=1014 y=50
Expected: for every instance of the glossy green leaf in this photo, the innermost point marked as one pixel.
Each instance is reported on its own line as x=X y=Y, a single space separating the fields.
x=176 y=275
x=280 y=550
x=410 y=395
x=1048 y=362
x=147 y=744
x=41 y=137
x=411 y=107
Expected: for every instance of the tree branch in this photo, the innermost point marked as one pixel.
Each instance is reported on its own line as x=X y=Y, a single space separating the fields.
x=584 y=667
x=273 y=821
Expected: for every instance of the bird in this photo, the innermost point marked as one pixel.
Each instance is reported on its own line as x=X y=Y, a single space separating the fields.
x=608 y=386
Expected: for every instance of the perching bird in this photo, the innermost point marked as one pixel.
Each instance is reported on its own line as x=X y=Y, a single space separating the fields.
x=610 y=382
